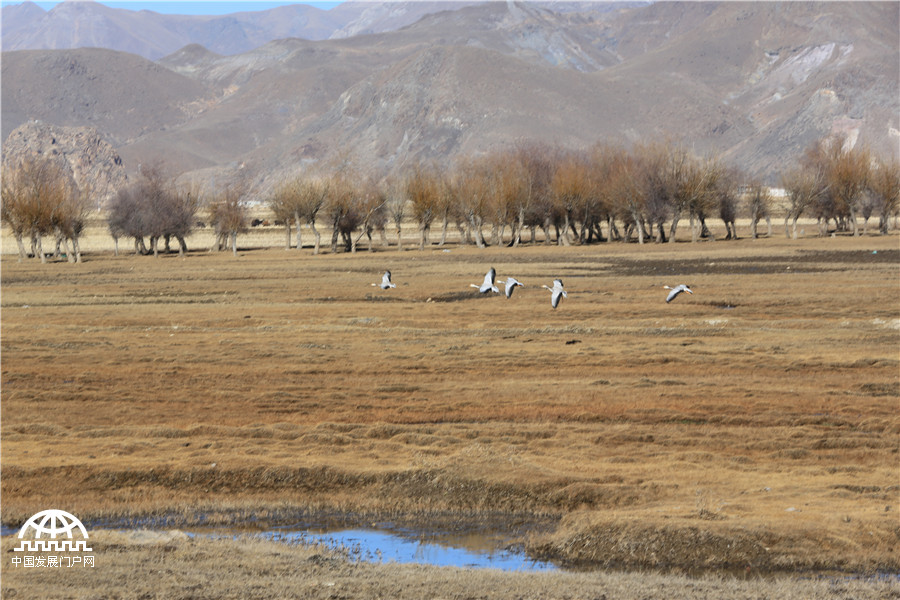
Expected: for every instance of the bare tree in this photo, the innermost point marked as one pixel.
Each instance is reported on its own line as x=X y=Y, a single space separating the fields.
x=313 y=194
x=570 y=188
x=803 y=186
x=726 y=192
x=847 y=173
x=284 y=204
x=679 y=170
x=471 y=192
x=228 y=215
x=758 y=201
x=629 y=190
x=424 y=190
x=884 y=190
x=369 y=205
x=153 y=207
x=538 y=162
x=39 y=198
x=657 y=183
x=396 y=207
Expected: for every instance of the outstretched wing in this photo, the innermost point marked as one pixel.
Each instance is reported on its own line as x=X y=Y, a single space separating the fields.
x=510 y=286
x=489 y=282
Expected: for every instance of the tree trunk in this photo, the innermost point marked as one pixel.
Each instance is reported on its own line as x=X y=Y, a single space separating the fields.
x=334 y=237
x=674 y=227
x=613 y=230
x=287 y=234
x=445 y=225
x=76 y=249
x=297 y=221
x=234 y=243
x=638 y=226
x=477 y=224
x=318 y=236
x=23 y=254
x=562 y=236
x=423 y=238
x=38 y=246
x=182 y=245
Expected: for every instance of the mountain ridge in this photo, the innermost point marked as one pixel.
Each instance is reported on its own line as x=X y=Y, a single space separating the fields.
x=752 y=82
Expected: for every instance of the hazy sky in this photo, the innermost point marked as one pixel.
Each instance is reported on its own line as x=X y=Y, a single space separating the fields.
x=193 y=7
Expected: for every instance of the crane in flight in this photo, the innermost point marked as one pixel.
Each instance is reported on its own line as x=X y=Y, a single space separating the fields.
x=511 y=283
x=385 y=281
x=676 y=290
x=557 y=292
x=488 y=285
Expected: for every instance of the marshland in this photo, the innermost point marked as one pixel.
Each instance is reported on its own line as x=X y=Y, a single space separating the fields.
x=741 y=440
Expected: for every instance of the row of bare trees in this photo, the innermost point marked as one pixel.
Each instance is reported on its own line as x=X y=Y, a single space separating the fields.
x=836 y=182
x=573 y=197
x=602 y=193
x=153 y=207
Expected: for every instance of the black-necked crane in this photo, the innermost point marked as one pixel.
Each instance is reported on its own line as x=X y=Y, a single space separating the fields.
x=511 y=283
x=488 y=284
x=385 y=281
x=676 y=290
x=557 y=292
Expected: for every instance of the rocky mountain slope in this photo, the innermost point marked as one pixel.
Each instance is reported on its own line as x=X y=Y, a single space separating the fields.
x=754 y=82
x=83 y=23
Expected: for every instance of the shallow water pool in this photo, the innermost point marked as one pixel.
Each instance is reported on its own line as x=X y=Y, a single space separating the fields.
x=471 y=550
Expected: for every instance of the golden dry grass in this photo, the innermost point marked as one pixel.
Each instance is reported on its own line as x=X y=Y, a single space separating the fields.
x=753 y=425
x=170 y=565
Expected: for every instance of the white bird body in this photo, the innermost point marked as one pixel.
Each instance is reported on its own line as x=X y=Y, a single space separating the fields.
x=488 y=285
x=676 y=290
x=557 y=292
x=385 y=281
x=511 y=283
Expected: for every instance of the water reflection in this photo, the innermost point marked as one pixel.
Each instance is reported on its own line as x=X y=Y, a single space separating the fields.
x=470 y=551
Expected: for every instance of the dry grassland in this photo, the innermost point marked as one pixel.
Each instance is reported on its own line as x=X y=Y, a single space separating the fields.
x=751 y=426
x=166 y=565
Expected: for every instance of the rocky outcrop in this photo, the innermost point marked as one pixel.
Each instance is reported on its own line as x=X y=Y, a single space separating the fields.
x=93 y=164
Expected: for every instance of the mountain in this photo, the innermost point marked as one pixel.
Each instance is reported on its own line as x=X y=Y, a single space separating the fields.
x=87 y=24
x=753 y=82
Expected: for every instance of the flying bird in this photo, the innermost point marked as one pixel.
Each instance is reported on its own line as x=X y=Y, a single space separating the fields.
x=557 y=292
x=511 y=283
x=676 y=290
x=386 y=281
x=488 y=285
